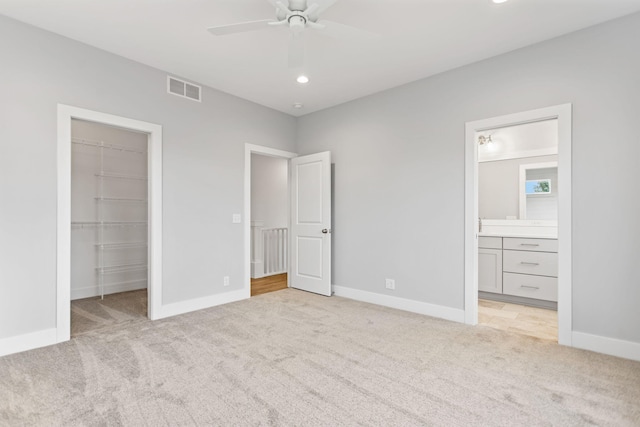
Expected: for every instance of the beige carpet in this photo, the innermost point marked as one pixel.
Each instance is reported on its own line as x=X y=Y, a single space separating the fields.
x=92 y=314
x=293 y=358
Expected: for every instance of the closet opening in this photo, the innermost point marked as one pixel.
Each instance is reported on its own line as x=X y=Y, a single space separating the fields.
x=269 y=223
x=109 y=268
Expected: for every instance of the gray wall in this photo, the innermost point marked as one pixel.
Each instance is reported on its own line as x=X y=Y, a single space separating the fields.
x=203 y=164
x=399 y=172
x=498 y=186
x=269 y=190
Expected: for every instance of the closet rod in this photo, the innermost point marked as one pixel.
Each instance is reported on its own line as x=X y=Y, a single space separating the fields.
x=102 y=144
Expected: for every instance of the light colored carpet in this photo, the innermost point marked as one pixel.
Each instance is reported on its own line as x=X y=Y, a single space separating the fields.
x=294 y=358
x=92 y=314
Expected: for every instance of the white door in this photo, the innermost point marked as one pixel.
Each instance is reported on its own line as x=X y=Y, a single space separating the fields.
x=311 y=223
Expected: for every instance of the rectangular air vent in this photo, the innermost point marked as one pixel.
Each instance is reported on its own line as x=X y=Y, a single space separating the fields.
x=184 y=89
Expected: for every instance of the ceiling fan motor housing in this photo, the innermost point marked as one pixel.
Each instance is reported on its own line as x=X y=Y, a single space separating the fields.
x=297 y=22
x=298 y=5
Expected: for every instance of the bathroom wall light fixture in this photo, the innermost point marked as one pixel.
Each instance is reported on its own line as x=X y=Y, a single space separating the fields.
x=482 y=140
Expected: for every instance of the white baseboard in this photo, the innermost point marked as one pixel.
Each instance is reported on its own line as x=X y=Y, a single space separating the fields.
x=28 y=341
x=168 y=310
x=606 y=345
x=93 y=291
x=448 y=313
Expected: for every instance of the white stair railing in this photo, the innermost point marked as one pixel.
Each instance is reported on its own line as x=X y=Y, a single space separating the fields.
x=275 y=250
x=269 y=250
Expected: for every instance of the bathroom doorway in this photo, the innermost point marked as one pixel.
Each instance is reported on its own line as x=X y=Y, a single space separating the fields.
x=509 y=258
x=518 y=228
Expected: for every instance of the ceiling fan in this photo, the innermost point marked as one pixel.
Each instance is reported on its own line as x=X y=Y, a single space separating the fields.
x=298 y=15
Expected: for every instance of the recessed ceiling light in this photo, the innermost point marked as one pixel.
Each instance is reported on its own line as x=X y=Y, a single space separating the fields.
x=298 y=105
x=302 y=79
x=499 y=1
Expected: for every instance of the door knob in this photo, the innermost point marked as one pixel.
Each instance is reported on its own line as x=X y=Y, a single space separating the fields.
x=326 y=231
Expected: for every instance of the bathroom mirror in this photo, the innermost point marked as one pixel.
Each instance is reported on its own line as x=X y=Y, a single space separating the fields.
x=509 y=157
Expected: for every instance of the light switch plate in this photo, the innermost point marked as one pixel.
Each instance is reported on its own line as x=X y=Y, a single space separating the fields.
x=237 y=219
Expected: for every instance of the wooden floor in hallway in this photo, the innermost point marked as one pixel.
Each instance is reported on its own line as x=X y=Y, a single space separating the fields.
x=532 y=321
x=268 y=284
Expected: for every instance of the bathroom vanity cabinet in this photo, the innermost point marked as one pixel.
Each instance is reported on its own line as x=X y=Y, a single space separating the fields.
x=519 y=267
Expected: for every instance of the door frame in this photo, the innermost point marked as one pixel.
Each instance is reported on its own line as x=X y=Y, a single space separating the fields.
x=563 y=113
x=250 y=149
x=66 y=114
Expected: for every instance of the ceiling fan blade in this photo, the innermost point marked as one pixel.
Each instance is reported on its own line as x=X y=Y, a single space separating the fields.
x=313 y=9
x=322 y=6
x=241 y=27
x=296 y=51
x=282 y=7
x=345 y=32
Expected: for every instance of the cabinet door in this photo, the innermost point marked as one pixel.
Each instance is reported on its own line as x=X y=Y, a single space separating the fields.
x=490 y=270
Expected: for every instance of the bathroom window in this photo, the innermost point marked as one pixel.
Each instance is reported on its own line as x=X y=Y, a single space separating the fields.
x=538 y=186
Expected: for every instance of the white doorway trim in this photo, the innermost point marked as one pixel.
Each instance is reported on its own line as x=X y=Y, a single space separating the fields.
x=63 y=276
x=265 y=151
x=563 y=114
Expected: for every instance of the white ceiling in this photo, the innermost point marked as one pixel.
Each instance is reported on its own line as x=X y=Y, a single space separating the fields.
x=419 y=38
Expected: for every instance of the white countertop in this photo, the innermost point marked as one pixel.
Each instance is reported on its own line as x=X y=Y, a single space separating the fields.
x=520 y=235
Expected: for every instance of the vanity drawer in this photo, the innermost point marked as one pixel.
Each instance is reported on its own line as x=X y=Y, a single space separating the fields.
x=490 y=242
x=536 y=245
x=524 y=262
x=524 y=285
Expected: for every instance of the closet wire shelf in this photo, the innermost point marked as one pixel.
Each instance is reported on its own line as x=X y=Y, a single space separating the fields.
x=119 y=199
x=121 y=245
x=102 y=144
x=119 y=268
x=90 y=224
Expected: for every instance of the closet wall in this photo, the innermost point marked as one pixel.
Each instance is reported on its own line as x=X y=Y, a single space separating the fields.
x=108 y=210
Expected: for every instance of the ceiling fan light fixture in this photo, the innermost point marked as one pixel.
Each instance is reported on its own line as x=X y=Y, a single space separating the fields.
x=302 y=79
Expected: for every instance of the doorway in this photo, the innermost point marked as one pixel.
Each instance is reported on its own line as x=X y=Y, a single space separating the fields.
x=516 y=243
x=269 y=223
x=151 y=200
x=309 y=208
x=109 y=218
x=518 y=214
x=254 y=260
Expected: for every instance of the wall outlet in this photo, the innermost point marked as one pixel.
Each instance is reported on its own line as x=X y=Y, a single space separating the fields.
x=226 y=280
x=236 y=219
x=390 y=283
